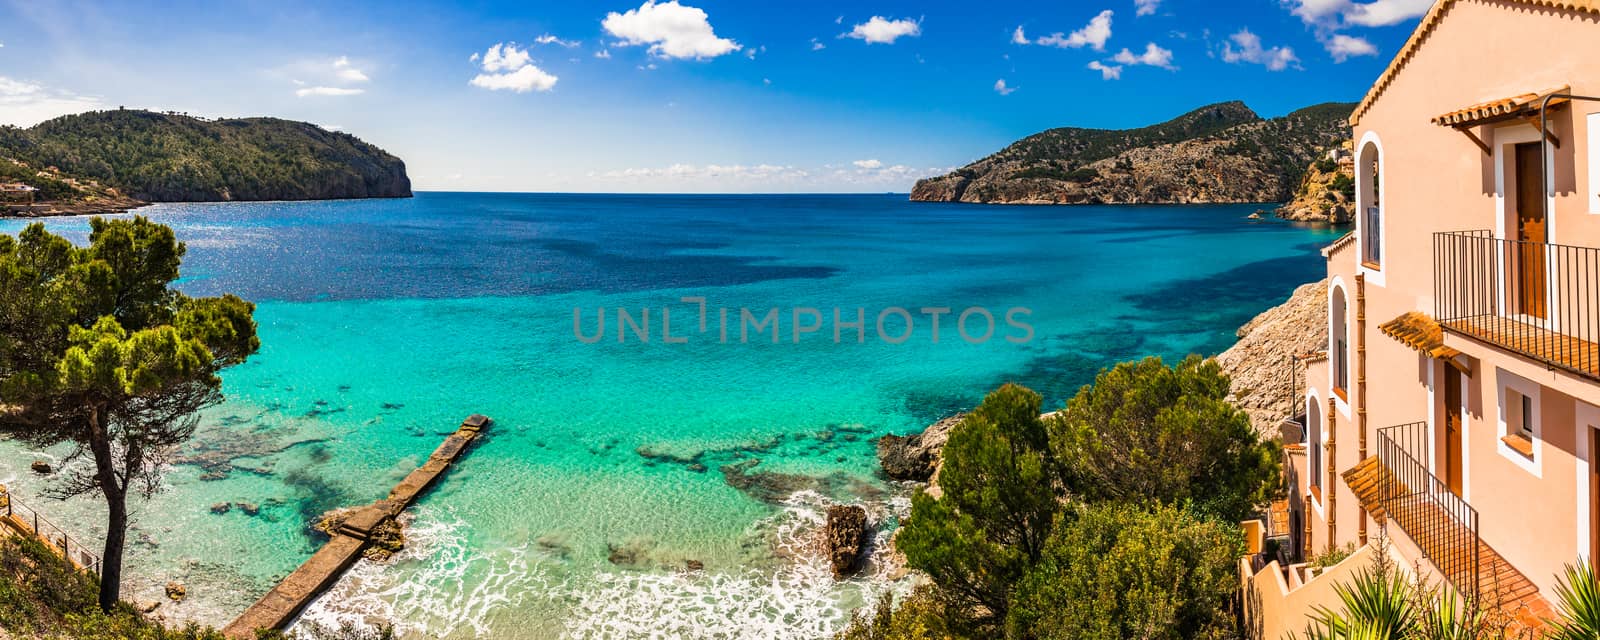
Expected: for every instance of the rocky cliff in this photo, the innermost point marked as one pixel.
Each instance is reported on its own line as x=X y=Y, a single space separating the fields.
x=164 y=157
x=1327 y=191
x=1259 y=361
x=1215 y=154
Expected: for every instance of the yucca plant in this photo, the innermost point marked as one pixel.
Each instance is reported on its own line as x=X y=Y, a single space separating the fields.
x=1578 y=595
x=1382 y=605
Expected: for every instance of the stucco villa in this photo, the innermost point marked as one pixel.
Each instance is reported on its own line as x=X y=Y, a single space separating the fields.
x=1456 y=409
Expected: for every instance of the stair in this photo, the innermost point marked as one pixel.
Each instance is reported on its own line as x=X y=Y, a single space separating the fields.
x=1446 y=541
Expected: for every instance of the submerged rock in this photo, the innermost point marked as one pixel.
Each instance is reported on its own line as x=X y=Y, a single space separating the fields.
x=249 y=508
x=176 y=591
x=915 y=457
x=633 y=553
x=844 y=537
x=221 y=508
x=41 y=467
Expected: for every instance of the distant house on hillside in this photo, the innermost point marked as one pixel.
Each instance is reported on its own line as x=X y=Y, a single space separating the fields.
x=17 y=193
x=1456 y=410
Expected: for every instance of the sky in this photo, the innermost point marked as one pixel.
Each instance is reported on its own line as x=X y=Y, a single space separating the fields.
x=692 y=95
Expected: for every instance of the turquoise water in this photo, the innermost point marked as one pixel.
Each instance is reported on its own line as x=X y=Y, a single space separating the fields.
x=611 y=465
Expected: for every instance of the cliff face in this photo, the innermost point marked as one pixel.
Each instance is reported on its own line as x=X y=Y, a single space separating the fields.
x=1327 y=191
x=1259 y=362
x=1215 y=154
x=170 y=157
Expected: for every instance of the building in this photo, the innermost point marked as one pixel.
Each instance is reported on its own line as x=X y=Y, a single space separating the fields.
x=16 y=193
x=1457 y=407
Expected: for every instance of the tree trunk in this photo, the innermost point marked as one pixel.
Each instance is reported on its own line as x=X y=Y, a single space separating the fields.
x=117 y=511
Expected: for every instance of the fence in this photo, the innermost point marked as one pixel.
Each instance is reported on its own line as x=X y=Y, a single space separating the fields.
x=27 y=520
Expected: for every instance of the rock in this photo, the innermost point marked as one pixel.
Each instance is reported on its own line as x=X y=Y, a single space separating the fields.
x=1259 y=362
x=221 y=508
x=633 y=553
x=694 y=565
x=41 y=467
x=1257 y=215
x=1326 y=191
x=914 y=457
x=844 y=537
x=176 y=592
x=147 y=606
x=249 y=508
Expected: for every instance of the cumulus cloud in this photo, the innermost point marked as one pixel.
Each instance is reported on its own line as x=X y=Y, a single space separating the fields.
x=1093 y=35
x=25 y=104
x=1153 y=55
x=1335 y=14
x=603 y=54
x=868 y=164
x=1001 y=88
x=672 y=30
x=507 y=67
x=816 y=45
x=881 y=30
x=1018 y=37
x=1245 y=46
x=1344 y=47
x=1146 y=7
x=1107 y=71
x=304 y=92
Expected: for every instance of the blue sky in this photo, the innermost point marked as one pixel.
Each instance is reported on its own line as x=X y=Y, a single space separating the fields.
x=693 y=95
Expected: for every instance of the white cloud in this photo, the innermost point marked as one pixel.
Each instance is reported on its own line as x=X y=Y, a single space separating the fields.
x=1344 y=47
x=1153 y=55
x=868 y=164
x=1094 y=35
x=507 y=67
x=672 y=30
x=550 y=39
x=1107 y=71
x=505 y=56
x=1146 y=7
x=1337 y=14
x=347 y=73
x=881 y=30
x=816 y=45
x=752 y=51
x=526 y=78
x=1250 y=50
x=603 y=54
x=25 y=104
x=328 y=91
x=1018 y=37
x=1001 y=88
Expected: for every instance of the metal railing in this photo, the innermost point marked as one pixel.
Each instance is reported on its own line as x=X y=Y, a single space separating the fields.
x=26 y=520
x=1440 y=522
x=1538 y=299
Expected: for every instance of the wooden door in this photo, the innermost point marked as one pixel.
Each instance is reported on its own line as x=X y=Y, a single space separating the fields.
x=1450 y=449
x=1529 y=256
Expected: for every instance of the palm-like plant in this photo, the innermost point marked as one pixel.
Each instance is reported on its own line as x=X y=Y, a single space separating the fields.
x=1380 y=605
x=1579 y=596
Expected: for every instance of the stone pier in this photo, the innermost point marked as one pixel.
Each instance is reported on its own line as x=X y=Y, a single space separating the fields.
x=276 y=609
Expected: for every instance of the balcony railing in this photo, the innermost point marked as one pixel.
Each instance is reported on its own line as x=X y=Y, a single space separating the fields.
x=1440 y=522
x=1537 y=299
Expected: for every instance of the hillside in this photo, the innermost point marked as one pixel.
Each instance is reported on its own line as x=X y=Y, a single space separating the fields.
x=1218 y=153
x=160 y=157
x=1327 y=191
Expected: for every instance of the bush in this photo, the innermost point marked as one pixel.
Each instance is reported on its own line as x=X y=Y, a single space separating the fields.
x=42 y=595
x=1123 y=571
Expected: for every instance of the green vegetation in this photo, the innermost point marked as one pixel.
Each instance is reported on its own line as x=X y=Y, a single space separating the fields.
x=42 y=596
x=171 y=157
x=1115 y=517
x=98 y=350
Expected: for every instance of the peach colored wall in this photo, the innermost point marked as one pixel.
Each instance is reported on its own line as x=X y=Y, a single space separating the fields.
x=1435 y=179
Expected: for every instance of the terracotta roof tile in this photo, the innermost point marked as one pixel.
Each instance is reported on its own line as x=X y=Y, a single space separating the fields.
x=1419 y=331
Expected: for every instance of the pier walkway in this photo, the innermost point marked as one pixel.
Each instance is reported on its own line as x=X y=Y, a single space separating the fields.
x=276 y=609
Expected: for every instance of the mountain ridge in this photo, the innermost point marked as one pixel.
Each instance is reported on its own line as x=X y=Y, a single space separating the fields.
x=1218 y=153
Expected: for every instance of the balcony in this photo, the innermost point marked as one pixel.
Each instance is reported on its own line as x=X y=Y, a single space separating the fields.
x=1536 y=299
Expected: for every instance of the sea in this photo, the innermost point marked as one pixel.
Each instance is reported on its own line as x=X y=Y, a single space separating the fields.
x=680 y=385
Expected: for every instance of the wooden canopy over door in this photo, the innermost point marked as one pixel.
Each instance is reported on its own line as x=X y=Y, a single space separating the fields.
x=1528 y=263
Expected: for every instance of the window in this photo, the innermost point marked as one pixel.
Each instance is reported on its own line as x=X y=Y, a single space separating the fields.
x=1339 y=341
x=1520 y=429
x=1369 y=208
